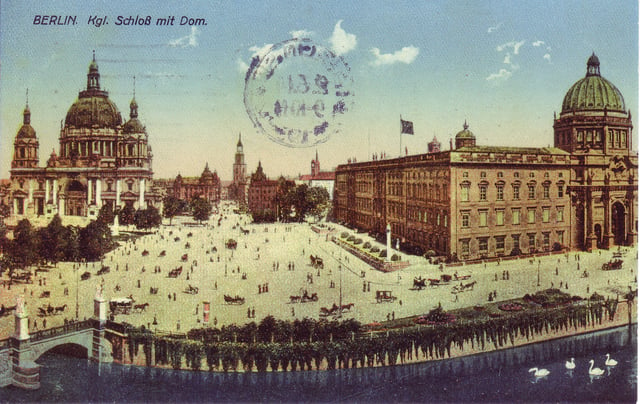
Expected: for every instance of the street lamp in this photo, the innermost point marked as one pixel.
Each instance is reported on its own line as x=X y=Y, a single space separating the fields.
x=538 y=273
x=340 y=298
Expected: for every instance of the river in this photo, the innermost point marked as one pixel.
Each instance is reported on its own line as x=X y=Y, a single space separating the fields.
x=493 y=377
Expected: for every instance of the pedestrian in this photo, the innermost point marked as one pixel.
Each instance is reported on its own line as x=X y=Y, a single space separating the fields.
x=253 y=312
x=174 y=296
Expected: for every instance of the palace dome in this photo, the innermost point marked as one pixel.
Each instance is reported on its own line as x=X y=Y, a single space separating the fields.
x=593 y=92
x=93 y=108
x=465 y=133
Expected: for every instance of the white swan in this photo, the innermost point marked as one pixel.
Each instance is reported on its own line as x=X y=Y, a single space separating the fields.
x=595 y=371
x=539 y=372
x=610 y=362
x=570 y=364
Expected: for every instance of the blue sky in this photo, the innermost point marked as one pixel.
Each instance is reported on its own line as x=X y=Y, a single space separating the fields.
x=504 y=66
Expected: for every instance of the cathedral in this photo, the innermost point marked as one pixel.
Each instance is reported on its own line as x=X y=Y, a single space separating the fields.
x=477 y=201
x=102 y=161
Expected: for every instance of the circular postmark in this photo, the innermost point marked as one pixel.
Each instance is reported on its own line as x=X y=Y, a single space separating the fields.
x=298 y=93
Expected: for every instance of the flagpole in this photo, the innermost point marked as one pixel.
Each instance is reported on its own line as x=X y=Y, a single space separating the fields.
x=400 y=135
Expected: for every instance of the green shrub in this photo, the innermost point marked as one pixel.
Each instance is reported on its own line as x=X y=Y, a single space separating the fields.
x=395 y=257
x=351 y=238
x=344 y=234
x=383 y=253
x=367 y=245
x=375 y=249
x=357 y=241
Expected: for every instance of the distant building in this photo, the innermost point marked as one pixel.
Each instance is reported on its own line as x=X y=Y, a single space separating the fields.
x=101 y=161
x=206 y=186
x=237 y=191
x=433 y=146
x=487 y=201
x=317 y=178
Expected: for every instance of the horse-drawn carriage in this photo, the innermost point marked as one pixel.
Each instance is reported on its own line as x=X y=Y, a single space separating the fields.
x=45 y=294
x=175 y=272
x=85 y=276
x=385 y=296
x=444 y=279
x=611 y=265
x=105 y=269
x=462 y=287
x=192 y=290
x=304 y=297
x=316 y=261
x=233 y=300
x=120 y=305
x=419 y=283
x=22 y=277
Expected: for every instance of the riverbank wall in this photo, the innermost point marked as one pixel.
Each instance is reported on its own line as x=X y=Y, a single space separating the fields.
x=374 y=349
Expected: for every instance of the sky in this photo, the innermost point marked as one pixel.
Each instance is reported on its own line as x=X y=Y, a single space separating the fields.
x=502 y=66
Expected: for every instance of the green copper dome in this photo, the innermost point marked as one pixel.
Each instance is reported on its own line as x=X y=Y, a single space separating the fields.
x=593 y=92
x=465 y=133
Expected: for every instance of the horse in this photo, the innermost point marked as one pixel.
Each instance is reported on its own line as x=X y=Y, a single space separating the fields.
x=294 y=299
x=469 y=285
x=50 y=309
x=60 y=309
x=42 y=312
x=140 y=307
x=347 y=307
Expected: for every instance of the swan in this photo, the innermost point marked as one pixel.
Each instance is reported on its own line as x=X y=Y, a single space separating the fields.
x=610 y=362
x=539 y=372
x=595 y=371
x=570 y=364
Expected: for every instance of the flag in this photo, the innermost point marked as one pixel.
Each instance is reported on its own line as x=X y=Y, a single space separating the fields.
x=407 y=127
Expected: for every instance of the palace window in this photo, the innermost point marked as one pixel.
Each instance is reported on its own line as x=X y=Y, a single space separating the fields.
x=483 y=192
x=499 y=217
x=464 y=246
x=516 y=174
x=545 y=241
x=465 y=174
x=560 y=191
x=545 y=215
x=532 y=240
x=500 y=192
x=465 y=219
x=464 y=193
x=483 y=245
x=499 y=174
x=515 y=216
x=516 y=192
x=482 y=217
x=516 y=241
x=531 y=215
x=560 y=237
x=483 y=174
x=560 y=214
x=532 y=191
x=499 y=243
x=545 y=190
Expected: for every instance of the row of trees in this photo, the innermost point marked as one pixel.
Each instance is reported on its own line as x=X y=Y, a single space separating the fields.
x=295 y=202
x=198 y=207
x=54 y=243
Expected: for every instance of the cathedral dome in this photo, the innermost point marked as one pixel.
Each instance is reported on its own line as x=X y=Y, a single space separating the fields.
x=26 y=131
x=133 y=125
x=465 y=133
x=593 y=92
x=93 y=108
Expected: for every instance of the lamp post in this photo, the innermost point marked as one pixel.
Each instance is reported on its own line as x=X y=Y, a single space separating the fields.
x=77 y=287
x=340 y=297
x=538 y=273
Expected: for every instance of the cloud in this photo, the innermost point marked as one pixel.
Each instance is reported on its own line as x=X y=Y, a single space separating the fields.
x=301 y=33
x=341 y=41
x=189 y=41
x=242 y=65
x=494 y=28
x=547 y=57
x=537 y=43
x=260 y=50
x=405 y=55
x=513 y=44
x=507 y=59
x=503 y=74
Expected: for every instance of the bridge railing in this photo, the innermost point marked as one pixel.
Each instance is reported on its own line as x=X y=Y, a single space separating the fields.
x=63 y=329
x=4 y=344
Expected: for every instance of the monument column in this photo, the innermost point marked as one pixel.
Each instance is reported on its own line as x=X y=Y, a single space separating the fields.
x=25 y=372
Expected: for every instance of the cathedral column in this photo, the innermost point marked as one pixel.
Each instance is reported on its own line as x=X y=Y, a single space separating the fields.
x=141 y=196
x=47 y=188
x=99 y=193
x=61 y=210
x=30 y=191
x=591 y=238
x=15 y=206
x=55 y=191
x=117 y=193
x=89 y=192
x=607 y=241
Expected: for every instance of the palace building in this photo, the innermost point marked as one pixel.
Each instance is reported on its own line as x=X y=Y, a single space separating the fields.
x=479 y=201
x=102 y=160
x=206 y=186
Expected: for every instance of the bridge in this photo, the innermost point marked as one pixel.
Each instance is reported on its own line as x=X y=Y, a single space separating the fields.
x=18 y=353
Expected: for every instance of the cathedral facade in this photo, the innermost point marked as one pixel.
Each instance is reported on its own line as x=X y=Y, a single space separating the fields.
x=102 y=160
x=478 y=201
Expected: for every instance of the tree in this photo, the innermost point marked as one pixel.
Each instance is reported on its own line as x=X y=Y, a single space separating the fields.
x=201 y=209
x=95 y=240
x=126 y=216
x=24 y=249
x=72 y=247
x=283 y=199
x=106 y=214
x=318 y=202
x=53 y=239
x=300 y=201
x=147 y=218
x=172 y=206
x=5 y=211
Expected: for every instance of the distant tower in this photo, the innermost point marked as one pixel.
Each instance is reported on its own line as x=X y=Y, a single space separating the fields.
x=434 y=146
x=25 y=146
x=239 y=166
x=465 y=138
x=315 y=166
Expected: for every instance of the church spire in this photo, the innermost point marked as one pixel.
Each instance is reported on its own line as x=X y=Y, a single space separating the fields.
x=133 y=105
x=26 y=114
x=93 y=77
